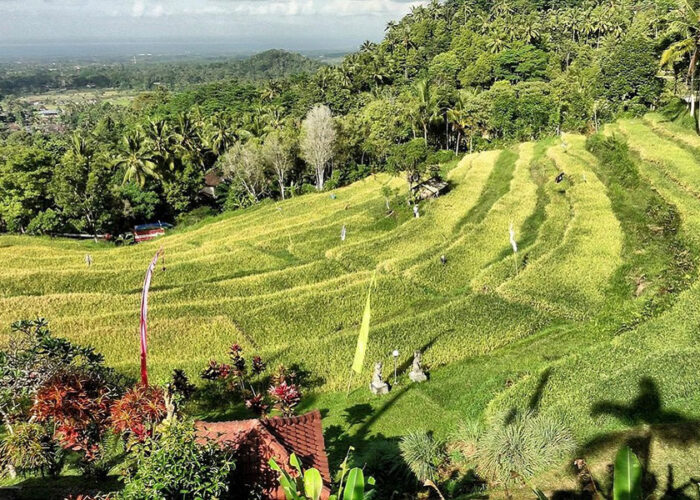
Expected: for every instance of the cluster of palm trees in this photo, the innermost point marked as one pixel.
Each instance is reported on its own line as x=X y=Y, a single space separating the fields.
x=685 y=29
x=461 y=115
x=163 y=146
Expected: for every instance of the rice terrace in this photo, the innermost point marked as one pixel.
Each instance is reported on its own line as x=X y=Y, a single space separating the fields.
x=461 y=262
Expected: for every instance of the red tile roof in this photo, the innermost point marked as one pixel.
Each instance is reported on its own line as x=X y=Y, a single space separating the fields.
x=256 y=441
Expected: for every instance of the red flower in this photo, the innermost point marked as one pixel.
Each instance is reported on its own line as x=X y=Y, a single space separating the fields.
x=286 y=397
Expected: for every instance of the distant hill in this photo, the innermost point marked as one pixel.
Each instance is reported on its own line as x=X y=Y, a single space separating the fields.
x=271 y=64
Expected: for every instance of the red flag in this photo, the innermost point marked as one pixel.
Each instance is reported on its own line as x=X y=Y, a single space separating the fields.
x=144 y=316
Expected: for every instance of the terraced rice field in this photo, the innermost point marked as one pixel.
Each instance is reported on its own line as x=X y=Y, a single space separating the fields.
x=578 y=316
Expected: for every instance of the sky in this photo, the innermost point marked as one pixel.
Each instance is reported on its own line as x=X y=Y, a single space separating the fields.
x=245 y=24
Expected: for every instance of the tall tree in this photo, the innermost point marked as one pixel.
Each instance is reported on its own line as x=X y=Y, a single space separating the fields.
x=688 y=24
x=243 y=164
x=136 y=160
x=427 y=106
x=278 y=152
x=81 y=188
x=318 y=137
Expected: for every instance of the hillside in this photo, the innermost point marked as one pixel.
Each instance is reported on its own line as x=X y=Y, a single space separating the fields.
x=594 y=321
x=149 y=74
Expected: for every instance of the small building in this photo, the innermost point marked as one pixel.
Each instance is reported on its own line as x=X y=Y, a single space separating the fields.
x=146 y=232
x=432 y=188
x=48 y=113
x=255 y=442
x=212 y=180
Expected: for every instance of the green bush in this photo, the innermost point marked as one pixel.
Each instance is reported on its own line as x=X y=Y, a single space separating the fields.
x=174 y=465
x=45 y=222
x=515 y=451
x=423 y=454
x=31 y=449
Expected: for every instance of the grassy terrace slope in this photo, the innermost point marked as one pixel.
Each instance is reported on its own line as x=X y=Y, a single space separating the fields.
x=583 y=314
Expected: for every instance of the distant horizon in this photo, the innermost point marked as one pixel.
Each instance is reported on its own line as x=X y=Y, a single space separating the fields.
x=41 y=29
x=95 y=49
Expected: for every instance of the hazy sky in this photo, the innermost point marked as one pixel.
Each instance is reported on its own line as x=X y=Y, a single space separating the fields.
x=294 y=24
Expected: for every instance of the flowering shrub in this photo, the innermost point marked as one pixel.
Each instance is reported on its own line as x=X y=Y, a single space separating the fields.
x=32 y=357
x=257 y=405
x=137 y=412
x=286 y=397
x=279 y=390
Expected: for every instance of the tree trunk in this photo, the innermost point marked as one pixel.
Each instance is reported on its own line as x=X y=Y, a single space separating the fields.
x=447 y=133
x=425 y=133
x=459 y=138
x=319 y=178
x=281 y=182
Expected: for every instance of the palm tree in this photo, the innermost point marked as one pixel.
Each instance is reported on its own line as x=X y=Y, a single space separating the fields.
x=80 y=147
x=368 y=46
x=221 y=136
x=157 y=133
x=427 y=103
x=137 y=161
x=689 y=25
x=188 y=140
x=405 y=40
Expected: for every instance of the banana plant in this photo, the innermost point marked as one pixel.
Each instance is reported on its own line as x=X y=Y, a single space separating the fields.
x=308 y=485
x=627 y=482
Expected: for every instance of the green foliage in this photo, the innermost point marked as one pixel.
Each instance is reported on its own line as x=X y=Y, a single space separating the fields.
x=629 y=71
x=173 y=464
x=266 y=65
x=24 y=177
x=424 y=455
x=515 y=450
x=308 y=485
x=46 y=222
x=627 y=483
x=30 y=448
x=409 y=159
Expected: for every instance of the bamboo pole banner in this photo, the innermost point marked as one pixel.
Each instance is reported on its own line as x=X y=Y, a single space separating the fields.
x=144 y=316
x=363 y=338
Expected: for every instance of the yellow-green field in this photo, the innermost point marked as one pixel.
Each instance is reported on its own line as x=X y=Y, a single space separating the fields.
x=583 y=313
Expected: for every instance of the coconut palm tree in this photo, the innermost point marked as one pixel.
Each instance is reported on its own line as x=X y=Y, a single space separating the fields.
x=188 y=140
x=160 y=140
x=688 y=24
x=368 y=46
x=427 y=106
x=221 y=135
x=138 y=163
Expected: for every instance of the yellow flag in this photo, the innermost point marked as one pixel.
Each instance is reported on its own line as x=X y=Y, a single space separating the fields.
x=364 y=331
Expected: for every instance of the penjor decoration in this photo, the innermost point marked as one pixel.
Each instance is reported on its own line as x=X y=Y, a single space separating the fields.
x=144 y=315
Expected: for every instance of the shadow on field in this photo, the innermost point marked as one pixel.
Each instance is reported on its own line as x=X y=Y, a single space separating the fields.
x=535 y=399
x=403 y=367
x=649 y=423
x=377 y=454
x=37 y=488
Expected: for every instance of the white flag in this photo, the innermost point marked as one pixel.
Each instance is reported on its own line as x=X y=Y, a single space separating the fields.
x=513 y=243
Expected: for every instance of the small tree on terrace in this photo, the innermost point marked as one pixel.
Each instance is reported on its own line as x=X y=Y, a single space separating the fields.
x=278 y=154
x=409 y=158
x=317 y=140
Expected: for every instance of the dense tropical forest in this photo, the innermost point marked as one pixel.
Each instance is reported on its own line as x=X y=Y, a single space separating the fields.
x=537 y=322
